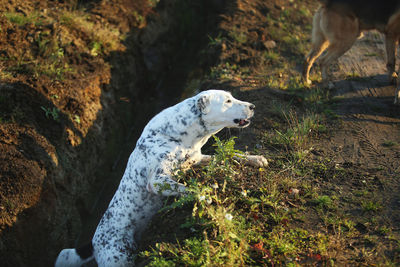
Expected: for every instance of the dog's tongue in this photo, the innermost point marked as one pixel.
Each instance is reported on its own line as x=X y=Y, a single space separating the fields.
x=242 y=122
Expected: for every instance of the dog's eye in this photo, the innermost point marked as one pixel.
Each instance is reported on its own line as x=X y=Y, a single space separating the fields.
x=228 y=101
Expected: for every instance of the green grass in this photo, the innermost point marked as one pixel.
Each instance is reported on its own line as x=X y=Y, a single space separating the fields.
x=21 y=19
x=298 y=131
x=233 y=227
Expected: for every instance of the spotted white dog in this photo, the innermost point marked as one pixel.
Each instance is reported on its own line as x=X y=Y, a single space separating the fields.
x=172 y=140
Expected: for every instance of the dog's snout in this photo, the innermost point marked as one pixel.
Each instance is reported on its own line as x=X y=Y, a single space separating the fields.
x=252 y=107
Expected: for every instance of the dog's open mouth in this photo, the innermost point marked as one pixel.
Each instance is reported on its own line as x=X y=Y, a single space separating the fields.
x=242 y=122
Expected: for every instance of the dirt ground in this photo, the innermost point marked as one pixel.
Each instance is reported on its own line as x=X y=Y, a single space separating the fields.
x=66 y=130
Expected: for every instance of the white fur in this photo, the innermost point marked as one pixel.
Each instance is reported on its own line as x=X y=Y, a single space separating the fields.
x=69 y=257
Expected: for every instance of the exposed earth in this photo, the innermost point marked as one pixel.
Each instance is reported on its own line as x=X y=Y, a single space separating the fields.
x=80 y=79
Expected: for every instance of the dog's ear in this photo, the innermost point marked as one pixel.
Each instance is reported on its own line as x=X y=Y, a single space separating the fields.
x=203 y=104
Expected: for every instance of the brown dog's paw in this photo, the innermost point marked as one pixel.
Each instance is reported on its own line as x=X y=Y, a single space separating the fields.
x=393 y=78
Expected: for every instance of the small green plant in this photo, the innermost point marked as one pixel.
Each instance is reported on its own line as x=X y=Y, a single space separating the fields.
x=324 y=202
x=271 y=57
x=216 y=40
x=140 y=20
x=370 y=206
x=238 y=35
x=96 y=49
x=298 y=132
x=51 y=113
x=225 y=152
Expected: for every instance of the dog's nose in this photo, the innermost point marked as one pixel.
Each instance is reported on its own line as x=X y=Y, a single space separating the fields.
x=252 y=107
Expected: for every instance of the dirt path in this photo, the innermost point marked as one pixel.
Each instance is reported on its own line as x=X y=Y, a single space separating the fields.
x=369 y=137
x=371 y=121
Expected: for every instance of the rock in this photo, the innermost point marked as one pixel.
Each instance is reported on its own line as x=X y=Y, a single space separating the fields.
x=269 y=44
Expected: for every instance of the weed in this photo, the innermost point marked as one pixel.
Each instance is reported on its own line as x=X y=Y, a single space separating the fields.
x=96 y=49
x=140 y=20
x=324 y=202
x=384 y=230
x=370 y=206
x=21 y=20
x=389 y=143
x=296 y=136
x=238 y=35
x=271 y=57
x=216 y=41
x=53 y=113
x=5 y=75
x=77 y=119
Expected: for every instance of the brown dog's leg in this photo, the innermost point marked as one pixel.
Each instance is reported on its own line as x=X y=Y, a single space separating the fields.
x=341 y=31
x=397 y=93
x=392 y=39
x=319 y=44
x=391 y=45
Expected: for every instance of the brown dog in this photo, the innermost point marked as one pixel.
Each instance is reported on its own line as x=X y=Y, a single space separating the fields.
x=338 y=23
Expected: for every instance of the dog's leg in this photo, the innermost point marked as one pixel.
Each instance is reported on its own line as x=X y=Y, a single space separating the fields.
x=319 y=44
x=334 y=51
x=162 y=184
x=397 y=93
x=251 y=160
x=391 y=45
x=391 y=40
x=341 y=31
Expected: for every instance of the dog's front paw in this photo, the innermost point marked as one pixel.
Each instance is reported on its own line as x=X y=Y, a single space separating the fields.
x=257 y=161
x=262 y=162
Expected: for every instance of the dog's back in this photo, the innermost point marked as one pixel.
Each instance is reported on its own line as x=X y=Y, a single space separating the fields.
x=370 y=12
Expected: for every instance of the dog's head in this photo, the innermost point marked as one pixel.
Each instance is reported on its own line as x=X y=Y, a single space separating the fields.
x=220 y=109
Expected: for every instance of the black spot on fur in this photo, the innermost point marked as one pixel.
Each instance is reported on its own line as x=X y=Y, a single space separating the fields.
x=202 y=124
x=175 y=140
x=194 y=109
